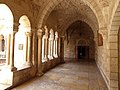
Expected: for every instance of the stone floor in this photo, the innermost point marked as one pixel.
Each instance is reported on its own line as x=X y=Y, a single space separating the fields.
x=82 y=75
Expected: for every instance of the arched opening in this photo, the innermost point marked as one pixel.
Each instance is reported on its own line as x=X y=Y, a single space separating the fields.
x=79 y=41
x=6 y=26
x=21 y=41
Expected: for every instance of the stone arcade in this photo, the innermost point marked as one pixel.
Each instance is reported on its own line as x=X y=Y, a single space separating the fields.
x=37 y=35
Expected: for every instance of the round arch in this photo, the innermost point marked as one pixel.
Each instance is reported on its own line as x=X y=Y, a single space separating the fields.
x=24 y=23
x=6 y=27
x=6 y=19
x=51 y=5
x=21 y=41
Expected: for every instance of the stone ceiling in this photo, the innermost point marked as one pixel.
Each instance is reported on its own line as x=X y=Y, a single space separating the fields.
x=72 y=9
x=78 y=29
x=68 y=10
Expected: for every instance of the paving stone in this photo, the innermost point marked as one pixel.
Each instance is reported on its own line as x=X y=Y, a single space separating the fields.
x=69 y=76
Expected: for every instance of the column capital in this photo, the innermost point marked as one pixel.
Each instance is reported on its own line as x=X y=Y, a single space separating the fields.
x=1 y=37
x=28 y=34
x=13 y=32
x=16 y=23
x=39 y=33
x=16 y=26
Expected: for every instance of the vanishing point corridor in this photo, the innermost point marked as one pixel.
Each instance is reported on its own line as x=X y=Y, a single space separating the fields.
x=82 y=75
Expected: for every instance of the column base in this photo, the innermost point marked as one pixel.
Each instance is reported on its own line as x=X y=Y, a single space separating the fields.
x=39 y=74
x=45 y=59
x=9 y=68
x=13 y=68
x=29 y=64
x=56 y=56
x=50 y=57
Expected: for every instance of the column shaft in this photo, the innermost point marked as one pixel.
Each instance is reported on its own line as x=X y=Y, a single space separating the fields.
x=43 y=48
x=8 y=50
x=26 y=48
x=12 y=51
x=29 y=50
x=39 y=73
x=46 y=49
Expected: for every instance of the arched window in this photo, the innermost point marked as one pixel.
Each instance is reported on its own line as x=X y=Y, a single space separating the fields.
x=22 y=42
x=6 y=26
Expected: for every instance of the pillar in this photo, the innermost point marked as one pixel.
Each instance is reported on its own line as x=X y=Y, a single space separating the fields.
x=28 y=48
x=45 y=45
x=13 y=68
x=8 y=51
x=1 y=37
x=39 y=34
x=46 y=48
x=51 y=44
x=62 y=49
x=56 y=45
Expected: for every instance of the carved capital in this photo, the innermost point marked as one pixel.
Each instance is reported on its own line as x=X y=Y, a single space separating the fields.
x=28 y=34
x=39 y=33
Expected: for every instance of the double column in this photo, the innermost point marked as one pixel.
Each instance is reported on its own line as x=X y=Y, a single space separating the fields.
x=13 y=68
x=45 y=46
x=10 y=51
x=39 y=34
x=51 y=45
x=10 y=47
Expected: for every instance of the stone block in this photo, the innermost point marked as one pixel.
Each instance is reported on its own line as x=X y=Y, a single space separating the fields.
x=114 y=53
x=114 y=76
x=113 y=39
x=114 y=83
x=114 y=68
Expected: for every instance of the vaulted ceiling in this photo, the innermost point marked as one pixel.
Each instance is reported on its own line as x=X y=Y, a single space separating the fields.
x=67 y=12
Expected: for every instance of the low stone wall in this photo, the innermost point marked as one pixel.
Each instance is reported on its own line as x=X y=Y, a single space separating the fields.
x=50 y=64
x=23 y=75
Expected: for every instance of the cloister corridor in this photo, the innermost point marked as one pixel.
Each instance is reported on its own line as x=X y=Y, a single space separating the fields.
x=60 y=44
x=82 y=75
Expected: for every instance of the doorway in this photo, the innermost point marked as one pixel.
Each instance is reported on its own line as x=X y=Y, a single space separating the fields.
x=83 y=52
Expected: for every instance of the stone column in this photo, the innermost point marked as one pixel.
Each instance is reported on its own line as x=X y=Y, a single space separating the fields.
x=62 y=49
x=56 y=45
x=52 y=45
x=49 y=49
x=28 y=48
x=12 y=51
x=39 y=34
x=46 y=48
x=45 y=41
x=43 y=47
x=8 y=51
x=1 y=37
x=51 y=41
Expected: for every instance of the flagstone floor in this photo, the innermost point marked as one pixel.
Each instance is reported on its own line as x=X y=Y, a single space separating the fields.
x=82 y=75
